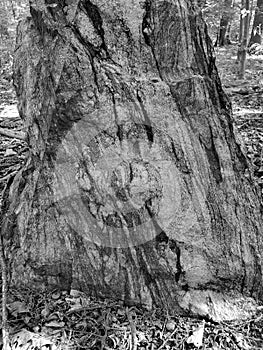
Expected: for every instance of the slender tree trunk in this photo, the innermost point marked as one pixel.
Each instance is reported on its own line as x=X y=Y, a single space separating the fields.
x=135 y=187
x=241 y=32
x=225 y=22
x=244 y=28
x=257 y=30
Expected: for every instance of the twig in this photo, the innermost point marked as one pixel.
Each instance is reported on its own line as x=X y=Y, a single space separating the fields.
x=87 y=308
x=133 y=330
x=246 y=93
x=104 y=339
x=167 y=339
x=4 y=295
x=2 y=179
x=243 y=323
x=14 y=134
x=246 y=112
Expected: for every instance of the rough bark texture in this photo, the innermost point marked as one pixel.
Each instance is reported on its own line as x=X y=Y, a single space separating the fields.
x=256 y=35
x=135 y=187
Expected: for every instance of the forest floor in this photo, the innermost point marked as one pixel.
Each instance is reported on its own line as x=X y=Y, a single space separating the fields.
x=62 y=320
x=12 y=150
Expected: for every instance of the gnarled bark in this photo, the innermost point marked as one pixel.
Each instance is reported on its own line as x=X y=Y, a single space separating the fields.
x=135 y=187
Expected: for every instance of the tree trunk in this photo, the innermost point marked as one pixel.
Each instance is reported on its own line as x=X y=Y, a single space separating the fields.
x=224 y=23
x=256 y=34
x=135 y=187
x=241 y=32
x=244 y=28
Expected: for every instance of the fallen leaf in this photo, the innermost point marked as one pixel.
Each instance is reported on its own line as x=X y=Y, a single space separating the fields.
x=52 y=5
x=17 y=307
x=170 y=326
x=81 y=324
x=241 y=341
x=55 y=324
x=76 y=293
x=52 y=317
x=9 y=152
x=25 y=340
x=56 y=295
x=197 y=337
x=45 y=312
x=10 y=112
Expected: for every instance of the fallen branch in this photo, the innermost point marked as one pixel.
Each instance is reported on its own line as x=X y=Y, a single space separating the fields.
x=245 y=92
x=248 y=112
x=5 y=178
x=133 y=330
x=168 y=339
x=87 y=308
x=14 y=134
x=5 y=333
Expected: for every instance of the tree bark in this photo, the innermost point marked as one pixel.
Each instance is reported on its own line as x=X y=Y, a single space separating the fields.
x=134 y=187
x=256 y=34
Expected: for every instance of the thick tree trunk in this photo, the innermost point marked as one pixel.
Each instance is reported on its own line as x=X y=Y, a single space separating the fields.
x=256 y=34
x=135 y=187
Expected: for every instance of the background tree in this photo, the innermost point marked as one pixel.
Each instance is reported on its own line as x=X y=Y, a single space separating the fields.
x=225 y=23
x=134 y=186
x=215 y=12
x=245 y=14
x=256 y=34
x=10 y=13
